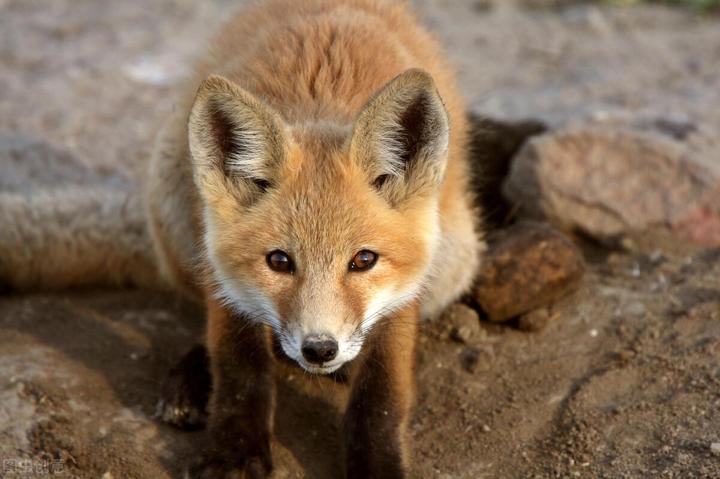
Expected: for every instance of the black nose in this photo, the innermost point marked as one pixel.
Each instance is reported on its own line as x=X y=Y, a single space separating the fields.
x=319 y=349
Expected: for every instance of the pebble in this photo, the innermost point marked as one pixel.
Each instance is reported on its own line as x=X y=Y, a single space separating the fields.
x=534 y=321
x=626 y=355
x=463 y=323
x=469 y=358
x=636 y=308
x=715 y=449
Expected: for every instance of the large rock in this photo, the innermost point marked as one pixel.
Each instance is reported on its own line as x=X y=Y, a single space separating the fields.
x=528 y=266
x=609 y=183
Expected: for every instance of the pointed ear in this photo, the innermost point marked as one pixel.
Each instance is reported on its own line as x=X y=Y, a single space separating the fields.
x=401 y=137
x=234 y=139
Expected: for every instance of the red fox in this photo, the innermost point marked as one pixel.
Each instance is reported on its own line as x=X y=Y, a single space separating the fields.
x=313 y=190
x=319 y=179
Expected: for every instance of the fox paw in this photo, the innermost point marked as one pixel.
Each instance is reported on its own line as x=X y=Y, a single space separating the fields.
x=211 y=466
x=185 y=392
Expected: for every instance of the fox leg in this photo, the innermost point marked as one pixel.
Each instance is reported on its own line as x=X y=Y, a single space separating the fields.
x=380 y=403
x=185 y=392
x=242 y=399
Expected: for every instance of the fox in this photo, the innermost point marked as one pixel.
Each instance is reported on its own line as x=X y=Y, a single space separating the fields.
x=314 y=191
x=312 y=188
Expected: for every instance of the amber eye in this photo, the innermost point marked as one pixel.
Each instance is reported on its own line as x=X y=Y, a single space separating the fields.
x=280 y=261
x=363 y=260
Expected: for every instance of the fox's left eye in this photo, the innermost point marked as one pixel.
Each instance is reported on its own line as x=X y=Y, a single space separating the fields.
x=280 y=262
x=363 y=260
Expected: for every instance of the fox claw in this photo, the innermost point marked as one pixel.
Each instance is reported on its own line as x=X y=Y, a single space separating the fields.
x=219 y=467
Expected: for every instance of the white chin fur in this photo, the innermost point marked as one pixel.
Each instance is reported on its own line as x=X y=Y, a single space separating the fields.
x=319 y=369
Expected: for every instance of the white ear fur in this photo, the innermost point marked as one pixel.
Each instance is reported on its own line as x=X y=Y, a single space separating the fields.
x=233 y=136
x=401 y=137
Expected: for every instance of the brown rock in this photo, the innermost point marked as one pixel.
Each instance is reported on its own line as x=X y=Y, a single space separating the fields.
x=609 y=183
x=474 y=359
x=462 y=321
x=534 y=321
x=529 y=266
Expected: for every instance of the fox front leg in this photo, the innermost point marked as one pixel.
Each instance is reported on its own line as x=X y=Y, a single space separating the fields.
x=380 y=404
x=241 y=404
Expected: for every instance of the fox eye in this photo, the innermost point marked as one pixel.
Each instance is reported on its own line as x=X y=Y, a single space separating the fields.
x=280 y=261
x=363 y=260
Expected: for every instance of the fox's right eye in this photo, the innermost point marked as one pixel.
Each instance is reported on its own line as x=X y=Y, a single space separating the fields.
x=280 y=261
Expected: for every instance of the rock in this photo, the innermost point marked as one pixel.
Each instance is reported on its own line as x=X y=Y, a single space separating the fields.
x=609 y=183
x=474 y=359
x=469 y=358
x=534 y=321
x=715 y=448
x=530 y=265
x=635 y=308
x=463 y=322
x=701 y=225
x=626 y=355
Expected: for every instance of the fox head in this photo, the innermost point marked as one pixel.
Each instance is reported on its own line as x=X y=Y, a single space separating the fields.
x=320 y=231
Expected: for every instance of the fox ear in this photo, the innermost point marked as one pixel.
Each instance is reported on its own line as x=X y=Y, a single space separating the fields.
x=401 y=137
x=234 y=139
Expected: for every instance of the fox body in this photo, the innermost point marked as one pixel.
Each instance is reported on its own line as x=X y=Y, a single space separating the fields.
x=314 y=192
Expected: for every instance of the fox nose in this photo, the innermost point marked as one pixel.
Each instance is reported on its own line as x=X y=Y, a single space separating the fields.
x=319 y=349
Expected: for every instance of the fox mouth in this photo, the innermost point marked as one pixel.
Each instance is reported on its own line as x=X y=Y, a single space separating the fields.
x=288 y=349
x=320 y=369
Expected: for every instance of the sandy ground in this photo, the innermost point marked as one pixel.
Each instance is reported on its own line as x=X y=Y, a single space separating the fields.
x=624 y=382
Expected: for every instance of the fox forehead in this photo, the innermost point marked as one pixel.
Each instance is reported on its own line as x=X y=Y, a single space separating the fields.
x=321 y=204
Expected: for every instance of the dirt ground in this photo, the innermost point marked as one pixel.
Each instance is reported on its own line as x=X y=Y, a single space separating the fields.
x=623 y=382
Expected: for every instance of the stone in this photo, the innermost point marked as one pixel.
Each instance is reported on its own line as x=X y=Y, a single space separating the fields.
x=528 y=266
x=474 y=359
x=469 y=358
x=534 y=321
x=463 y=322
x=608 y=183
x=701 y=224
x=635 y=308
x=715 y=449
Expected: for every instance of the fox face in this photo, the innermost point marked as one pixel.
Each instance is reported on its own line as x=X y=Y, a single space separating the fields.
x=319 y=230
